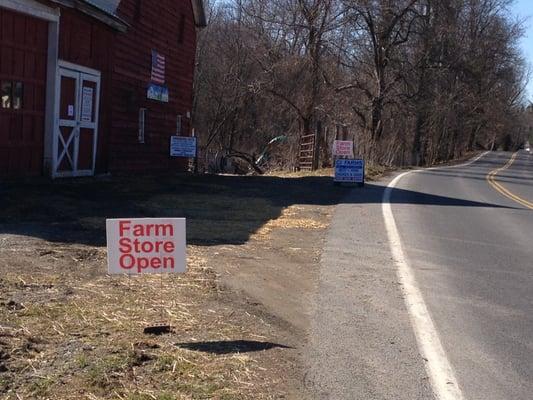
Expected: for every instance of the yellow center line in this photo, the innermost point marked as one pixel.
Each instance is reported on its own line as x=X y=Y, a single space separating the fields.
x=491 y=179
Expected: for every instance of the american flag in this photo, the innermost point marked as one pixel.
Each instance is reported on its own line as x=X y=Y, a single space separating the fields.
x=158 y=68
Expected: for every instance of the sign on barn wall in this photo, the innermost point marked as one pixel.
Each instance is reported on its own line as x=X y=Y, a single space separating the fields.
x=158 y=93
x=183 y=146
x=87 y=104
x=146 y=246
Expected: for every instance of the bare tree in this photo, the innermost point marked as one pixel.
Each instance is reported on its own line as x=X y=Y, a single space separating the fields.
x=414 y=81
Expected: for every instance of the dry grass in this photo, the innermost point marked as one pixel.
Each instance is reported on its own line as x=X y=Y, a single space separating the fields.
x=76 y=338
x=324 y=172
x=290 y=218
x=69 y=331
x=373 y=172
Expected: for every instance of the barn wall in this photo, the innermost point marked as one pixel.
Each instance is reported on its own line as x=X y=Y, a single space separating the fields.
x=124 y=60
x=23 y=59
x=168 y=28
x=85 y=41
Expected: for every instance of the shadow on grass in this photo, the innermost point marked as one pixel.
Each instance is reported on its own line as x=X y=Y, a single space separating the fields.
x=219 y=209
x=230 y=346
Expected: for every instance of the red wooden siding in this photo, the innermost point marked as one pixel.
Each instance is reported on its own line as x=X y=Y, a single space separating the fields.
x=124 y=61
x=85 y=41
x=152 y=27
x=23 y=55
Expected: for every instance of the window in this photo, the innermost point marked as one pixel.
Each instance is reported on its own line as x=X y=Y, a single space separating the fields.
x=6 y=92
x=17 y=95
x=181 y=31
x=178 y=125
x=11 y=94
x=142 y=119
x=138 y=10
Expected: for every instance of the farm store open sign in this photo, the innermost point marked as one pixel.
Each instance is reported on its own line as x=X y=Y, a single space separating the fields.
x=146 y=245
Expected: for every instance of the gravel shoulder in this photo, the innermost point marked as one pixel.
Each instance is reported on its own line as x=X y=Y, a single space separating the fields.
x=361 y=342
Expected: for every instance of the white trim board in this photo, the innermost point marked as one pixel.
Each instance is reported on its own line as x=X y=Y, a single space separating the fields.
x=79 y=68
x=31 y=7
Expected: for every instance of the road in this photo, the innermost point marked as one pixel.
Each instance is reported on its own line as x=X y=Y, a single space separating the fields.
x=466 y=238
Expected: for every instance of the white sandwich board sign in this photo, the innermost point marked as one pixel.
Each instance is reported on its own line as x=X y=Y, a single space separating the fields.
x=146 y=246
x=343 y=148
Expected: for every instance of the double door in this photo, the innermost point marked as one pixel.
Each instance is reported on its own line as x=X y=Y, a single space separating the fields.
x=76 y=136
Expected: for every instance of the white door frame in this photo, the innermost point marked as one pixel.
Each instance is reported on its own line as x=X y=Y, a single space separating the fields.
x=80 y=73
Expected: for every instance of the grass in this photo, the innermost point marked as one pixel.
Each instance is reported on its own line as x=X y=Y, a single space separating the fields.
x=79 y=333
x=219 y=209
x=161 y=396
x=41 y=387
x=82 y=361
x=4 y=384
x=93 y=339
x=373 y=172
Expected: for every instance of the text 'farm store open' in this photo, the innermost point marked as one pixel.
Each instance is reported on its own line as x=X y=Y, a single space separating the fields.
x=91 y=86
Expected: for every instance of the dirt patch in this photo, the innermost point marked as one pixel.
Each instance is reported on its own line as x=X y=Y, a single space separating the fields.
x=239 y=316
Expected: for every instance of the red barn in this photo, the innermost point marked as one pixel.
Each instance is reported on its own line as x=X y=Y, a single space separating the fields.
x=91 y=86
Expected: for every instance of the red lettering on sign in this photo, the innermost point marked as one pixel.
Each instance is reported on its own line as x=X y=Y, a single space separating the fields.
x=142 y=263
x=123 y=226
x=169 y=247
x=155 y=263
x=150 y=230
x=125 y=245
x=139 y=251
x=168 y=262
x=127 y=261
x=146 y=245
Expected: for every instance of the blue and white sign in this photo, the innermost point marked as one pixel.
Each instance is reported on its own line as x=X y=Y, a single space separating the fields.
x=350 y=171
x=183 y=146
x=158 y=93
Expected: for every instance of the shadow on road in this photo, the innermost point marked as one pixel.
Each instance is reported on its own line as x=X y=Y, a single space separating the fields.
x=219 y=209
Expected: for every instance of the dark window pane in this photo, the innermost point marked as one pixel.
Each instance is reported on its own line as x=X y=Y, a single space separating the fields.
x=17 y=95
x=181 y=31
x=6 y=94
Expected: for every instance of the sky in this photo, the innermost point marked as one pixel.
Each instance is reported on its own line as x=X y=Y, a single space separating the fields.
x=524 y=8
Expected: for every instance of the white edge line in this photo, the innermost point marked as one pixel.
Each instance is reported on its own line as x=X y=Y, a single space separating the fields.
x=441 y=374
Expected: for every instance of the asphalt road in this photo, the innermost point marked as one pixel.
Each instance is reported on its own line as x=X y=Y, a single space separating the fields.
x=469 y=244
x=472 y=252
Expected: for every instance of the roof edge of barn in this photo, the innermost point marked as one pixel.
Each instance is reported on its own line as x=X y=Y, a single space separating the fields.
x=90 y=8
x=110 y=18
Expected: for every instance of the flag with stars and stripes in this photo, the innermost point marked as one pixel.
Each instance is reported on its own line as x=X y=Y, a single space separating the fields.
x=158 y=68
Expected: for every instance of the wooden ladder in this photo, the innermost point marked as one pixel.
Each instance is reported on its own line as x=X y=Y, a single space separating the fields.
x=306 y=156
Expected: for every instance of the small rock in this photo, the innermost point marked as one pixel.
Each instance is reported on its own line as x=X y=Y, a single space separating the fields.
x=14 y=306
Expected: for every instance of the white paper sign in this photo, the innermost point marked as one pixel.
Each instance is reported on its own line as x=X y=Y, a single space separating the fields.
x=343 y=148
x=183 y=146
x=350 y=171
x=87 y=104
x=146 y=246
x=70 y=110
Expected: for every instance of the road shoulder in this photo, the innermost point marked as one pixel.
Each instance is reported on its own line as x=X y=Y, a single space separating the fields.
x=361 y=341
